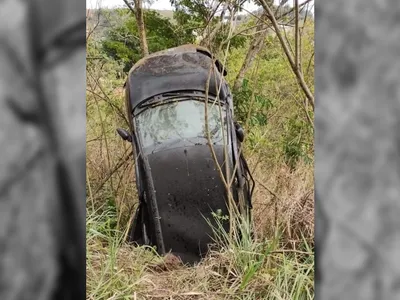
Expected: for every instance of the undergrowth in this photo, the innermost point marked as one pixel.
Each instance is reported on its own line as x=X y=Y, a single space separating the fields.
x=246 y=268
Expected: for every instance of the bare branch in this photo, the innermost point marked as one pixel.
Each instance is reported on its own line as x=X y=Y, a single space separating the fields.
x=296 y=34
x=130 y=7
x=120 y=163
x=292 y=61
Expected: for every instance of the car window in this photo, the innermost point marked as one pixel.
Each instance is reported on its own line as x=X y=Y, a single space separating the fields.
x=180 y=120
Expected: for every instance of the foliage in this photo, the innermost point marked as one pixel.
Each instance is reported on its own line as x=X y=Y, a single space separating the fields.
x=295 y=143
x=203 y=18
x=269 y=102
x=222 y=38
x=191 y=12
x=122 y=42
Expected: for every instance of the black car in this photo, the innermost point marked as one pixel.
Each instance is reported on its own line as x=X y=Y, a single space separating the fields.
x=176 y=150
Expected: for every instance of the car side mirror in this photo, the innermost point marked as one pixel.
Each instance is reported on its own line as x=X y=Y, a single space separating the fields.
x=239 y=132
x=124 y=134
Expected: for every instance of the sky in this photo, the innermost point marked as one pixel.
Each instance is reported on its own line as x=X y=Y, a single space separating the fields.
x=158 y=4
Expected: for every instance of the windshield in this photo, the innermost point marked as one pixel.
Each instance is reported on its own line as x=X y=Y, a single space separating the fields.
x=180 y=121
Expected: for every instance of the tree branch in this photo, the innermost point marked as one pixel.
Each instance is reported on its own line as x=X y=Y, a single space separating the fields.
x=292 y=61
x=130 y=7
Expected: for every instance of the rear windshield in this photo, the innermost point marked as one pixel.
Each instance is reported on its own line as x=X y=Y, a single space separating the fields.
x=181 y=121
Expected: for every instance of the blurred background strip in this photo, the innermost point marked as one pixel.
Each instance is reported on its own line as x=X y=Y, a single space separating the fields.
x=357 y=149
x=42 y=149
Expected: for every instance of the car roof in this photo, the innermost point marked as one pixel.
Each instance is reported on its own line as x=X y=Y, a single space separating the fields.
x=183 y=68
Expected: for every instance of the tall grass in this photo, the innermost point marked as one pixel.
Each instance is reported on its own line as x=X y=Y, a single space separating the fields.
x=236 y=268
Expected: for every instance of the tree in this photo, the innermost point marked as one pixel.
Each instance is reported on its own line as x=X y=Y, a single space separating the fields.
x=137 y=10
x=294 y=60
x=123 y=44
x=279 y=13
x=206 y=19
x=255 y=47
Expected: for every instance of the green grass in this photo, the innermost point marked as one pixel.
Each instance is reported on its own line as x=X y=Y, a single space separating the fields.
x=236 y=269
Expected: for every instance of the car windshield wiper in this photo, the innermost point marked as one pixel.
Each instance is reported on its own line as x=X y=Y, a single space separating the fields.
x=171 y=100
x=183 y=96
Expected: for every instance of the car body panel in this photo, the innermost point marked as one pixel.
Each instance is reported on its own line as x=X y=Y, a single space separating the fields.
x=179 y=183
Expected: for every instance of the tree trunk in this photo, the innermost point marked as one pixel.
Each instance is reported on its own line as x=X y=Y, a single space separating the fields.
x=142 y=29
x=138 y=13
x=255 y=47
x=207 y=40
